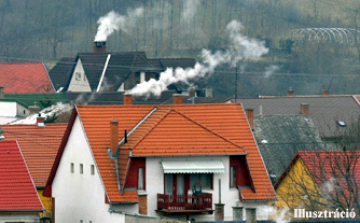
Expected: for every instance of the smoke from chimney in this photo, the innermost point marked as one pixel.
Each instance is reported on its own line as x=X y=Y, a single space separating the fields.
x=113 y=21
x=239 y=49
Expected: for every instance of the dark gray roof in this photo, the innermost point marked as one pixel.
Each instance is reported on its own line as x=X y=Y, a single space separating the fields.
x=280 y=137
x=120 y=66
x=324 y=111
x=60 y=73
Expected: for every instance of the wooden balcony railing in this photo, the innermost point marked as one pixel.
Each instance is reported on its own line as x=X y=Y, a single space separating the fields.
x=170 y=203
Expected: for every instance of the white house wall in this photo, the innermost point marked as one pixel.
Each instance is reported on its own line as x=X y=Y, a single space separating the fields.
x=8 y=109
x=79 y=84
x=26 y=218
x=80 y=196
x=22 y=111
x=229 y=196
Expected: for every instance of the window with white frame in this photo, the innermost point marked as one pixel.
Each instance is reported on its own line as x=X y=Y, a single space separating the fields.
x=141 y=179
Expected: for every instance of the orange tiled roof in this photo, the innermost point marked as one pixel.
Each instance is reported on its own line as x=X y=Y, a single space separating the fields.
x=17 y=190
x=221 y=129
x=25 y=78
x=39 y=146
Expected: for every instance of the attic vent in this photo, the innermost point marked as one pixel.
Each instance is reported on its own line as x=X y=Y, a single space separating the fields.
x=341 y=123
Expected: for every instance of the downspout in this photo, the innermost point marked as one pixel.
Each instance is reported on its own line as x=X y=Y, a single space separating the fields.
x=123 y=141
x=103 y=72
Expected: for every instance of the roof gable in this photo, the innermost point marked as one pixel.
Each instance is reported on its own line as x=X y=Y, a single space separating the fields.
x=176 y=134
x=17 y=190
x=37 y=143
x=25 y=78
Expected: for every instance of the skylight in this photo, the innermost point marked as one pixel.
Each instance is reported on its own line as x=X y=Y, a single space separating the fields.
x=341 y=123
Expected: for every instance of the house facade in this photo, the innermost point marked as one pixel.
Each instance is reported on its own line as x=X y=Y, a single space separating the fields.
x=102 y=71
x=320 y=180
x=11 y=110
x=174 y=161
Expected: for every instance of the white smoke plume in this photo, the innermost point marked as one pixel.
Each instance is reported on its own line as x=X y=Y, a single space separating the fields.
x=113 y=21
x=240 y=48
x=49 y=112
x=270 y=70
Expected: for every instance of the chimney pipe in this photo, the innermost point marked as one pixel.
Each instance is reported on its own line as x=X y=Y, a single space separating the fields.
x=290 y=92
x=325 y=92
x=177 y=99
x=304 y=108
x=40 y=121
x=100 y=47
x=250 y=116
x=114 y=135
x=2 y=95
x=128 y=99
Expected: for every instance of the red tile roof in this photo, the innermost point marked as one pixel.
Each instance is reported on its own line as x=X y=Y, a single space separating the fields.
x=25 y=78
x=39 y=146
x=172 y=130
x=17 y=190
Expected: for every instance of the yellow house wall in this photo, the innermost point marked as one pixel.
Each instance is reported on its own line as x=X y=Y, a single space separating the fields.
x=46 y=202
x=295 y=188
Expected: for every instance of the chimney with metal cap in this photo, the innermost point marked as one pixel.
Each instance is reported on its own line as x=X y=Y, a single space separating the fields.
x=114 y=135
x=128 y=100
x=40 y=121
x=100 y=47
x=177 y=98
x=304 y=108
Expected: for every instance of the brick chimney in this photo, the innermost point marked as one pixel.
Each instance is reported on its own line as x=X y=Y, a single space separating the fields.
x=325 y=92
x=40 y=121
x=114 y=135
x=100 y=47
x=304 y=108
x=177 y=98
x=250 y=116
x=128 y=99
x=290 y=92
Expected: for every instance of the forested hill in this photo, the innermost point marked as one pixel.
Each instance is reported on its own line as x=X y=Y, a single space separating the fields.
x=307 y=60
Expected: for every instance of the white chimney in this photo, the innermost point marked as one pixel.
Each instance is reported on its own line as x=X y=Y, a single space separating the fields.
x=40 y=121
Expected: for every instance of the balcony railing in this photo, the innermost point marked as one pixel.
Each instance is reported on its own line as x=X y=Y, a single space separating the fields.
x=183 y=203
